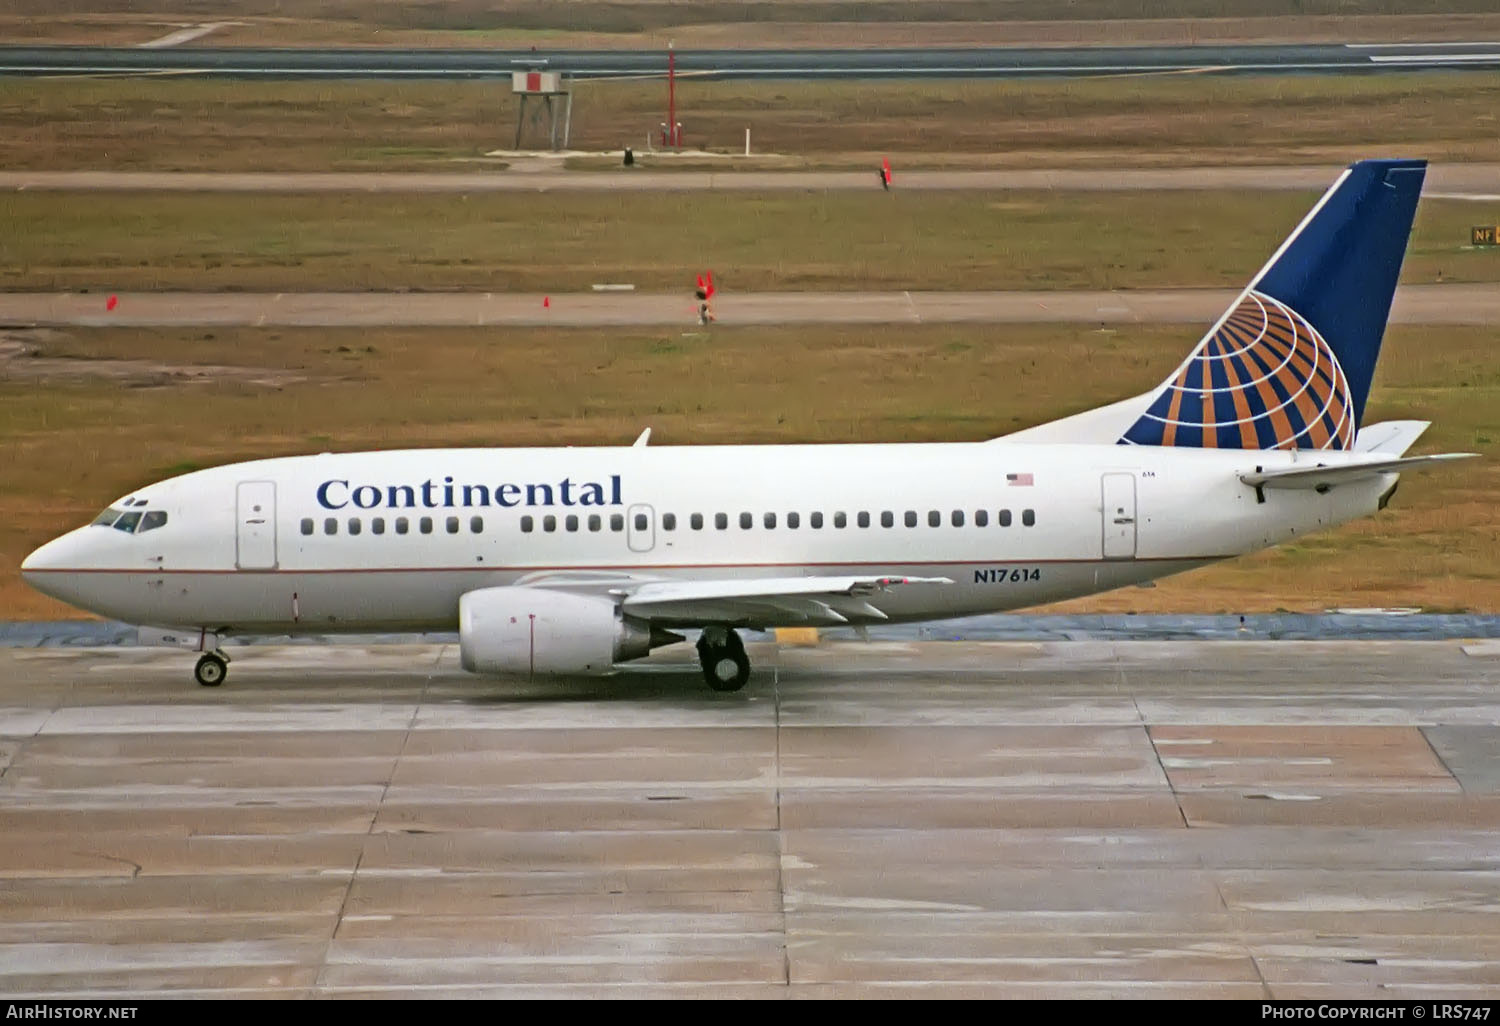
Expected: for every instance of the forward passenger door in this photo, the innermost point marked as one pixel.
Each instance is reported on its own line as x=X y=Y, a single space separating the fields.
x=255 y=530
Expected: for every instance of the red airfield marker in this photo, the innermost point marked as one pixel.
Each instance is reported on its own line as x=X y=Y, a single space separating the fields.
x=111 y=302
x=546 y=302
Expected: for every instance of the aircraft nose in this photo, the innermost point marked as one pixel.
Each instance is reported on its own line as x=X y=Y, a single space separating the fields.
x=36 y=561
x=52 y=570
x=50 y=556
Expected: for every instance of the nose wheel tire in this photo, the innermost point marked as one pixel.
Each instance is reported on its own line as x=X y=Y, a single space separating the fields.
x=722 y=656
x=211 y=670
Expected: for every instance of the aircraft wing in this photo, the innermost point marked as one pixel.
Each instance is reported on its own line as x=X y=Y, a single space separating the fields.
x=1322 y=478
x=765 y=602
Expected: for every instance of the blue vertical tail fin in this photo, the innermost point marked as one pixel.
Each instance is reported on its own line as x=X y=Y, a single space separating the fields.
x=1289 y=364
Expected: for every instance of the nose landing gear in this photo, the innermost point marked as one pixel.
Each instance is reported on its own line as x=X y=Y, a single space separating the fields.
x=721 y=653
x=211 y=670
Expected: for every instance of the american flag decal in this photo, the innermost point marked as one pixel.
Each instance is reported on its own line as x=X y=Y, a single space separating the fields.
x=1019 y=479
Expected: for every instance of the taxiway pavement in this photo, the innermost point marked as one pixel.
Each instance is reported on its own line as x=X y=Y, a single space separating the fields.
x=868 y=62
x=1100 y=819
x=1476 y=303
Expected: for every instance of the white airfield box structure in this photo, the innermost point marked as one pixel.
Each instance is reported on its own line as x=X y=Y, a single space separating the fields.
x=547 y=85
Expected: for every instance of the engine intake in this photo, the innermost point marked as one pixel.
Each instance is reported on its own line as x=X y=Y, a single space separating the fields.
x=536 y=632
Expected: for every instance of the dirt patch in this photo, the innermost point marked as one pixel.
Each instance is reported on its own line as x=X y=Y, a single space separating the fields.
x=24 y=357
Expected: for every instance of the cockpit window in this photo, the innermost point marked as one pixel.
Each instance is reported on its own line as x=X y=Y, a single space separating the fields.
x=132 y=522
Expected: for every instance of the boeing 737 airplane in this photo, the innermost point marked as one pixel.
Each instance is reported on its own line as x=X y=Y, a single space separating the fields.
x=568 y=561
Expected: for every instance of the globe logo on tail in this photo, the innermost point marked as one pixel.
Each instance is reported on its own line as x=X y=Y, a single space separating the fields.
x=1263 y=379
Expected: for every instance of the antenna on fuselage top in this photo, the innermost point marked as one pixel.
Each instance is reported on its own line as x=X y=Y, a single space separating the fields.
x=640 y=443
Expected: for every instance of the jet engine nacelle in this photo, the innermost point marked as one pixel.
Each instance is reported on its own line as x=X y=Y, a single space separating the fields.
x=536 y=632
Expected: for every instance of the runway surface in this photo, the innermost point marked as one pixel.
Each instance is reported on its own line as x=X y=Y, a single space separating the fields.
x=1259 y=820
x=928 y=62
x=1414 y=304
x=542 y=173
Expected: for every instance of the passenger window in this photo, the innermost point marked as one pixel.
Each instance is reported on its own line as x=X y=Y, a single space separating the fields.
x=1004 y=518
x=746 y=520
x=354 y=525
x=640 y=521
x=330 y=526
x=721 y=520
x=669 y=521
x=156 y=518
x=840 y=520
x=595 y=522
x=527 y=524
x=127 y=522
x=476 y=524
x=793 y=521
x=863 y=520
x=570 y=522
x=307 y=525
x=911 y=518
x=770 y=521
x=617 y=521
x=425 y=525
x=815 y=521
x=453 y=525
x=549 y=523
x=696 y=521
x=401 y=525
x=981 y=518
x=934 y=518
x=1028 y=517
x=887 y=519
x=377 y=525
x=958 y=518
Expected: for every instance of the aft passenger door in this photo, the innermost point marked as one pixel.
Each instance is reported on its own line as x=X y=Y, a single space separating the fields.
x=640 y=528
x=255 y=530
x=1118 y=508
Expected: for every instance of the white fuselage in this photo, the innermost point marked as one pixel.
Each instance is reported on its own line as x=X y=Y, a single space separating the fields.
x=271 y=546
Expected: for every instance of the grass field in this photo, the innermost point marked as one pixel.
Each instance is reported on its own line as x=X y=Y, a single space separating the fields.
x=566 y=241
x=75 y=441
x=180 y=124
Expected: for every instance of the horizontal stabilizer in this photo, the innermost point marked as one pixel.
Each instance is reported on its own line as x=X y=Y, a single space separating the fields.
x=1322 y=478
x=1391 y=437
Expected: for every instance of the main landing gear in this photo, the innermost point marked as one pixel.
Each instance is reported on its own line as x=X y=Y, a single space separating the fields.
x=211 y=670
x=722 y=656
